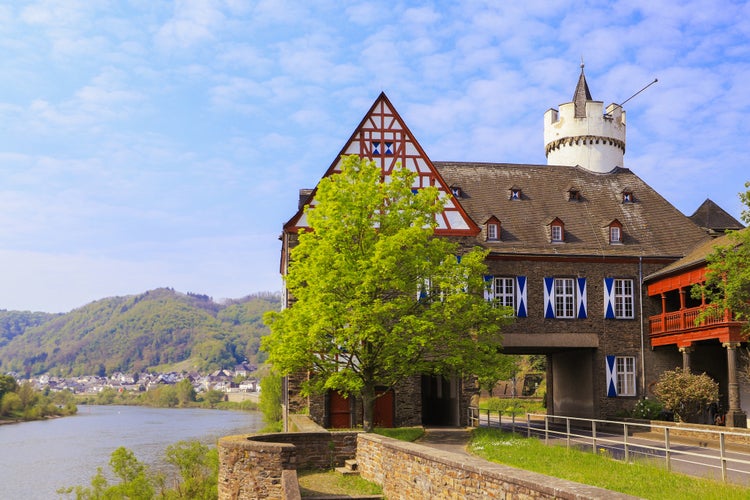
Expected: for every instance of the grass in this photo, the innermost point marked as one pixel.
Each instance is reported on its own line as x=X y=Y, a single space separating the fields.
x=639 y=478
x=326 y=483
x=410 y=434
x=512 y=406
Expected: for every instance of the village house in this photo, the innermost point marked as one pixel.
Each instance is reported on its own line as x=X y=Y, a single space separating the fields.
x=571 y=244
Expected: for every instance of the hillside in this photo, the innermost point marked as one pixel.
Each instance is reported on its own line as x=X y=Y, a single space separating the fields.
x=159 y=329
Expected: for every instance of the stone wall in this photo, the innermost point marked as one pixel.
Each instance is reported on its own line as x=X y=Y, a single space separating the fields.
x=253 y=466
x=264 y=466
x=408 y=471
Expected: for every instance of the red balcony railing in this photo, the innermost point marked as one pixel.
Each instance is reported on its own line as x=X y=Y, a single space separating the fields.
x=685 y=319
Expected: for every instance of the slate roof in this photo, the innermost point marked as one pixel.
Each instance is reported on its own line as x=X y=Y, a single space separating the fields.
x=651 y=226
x=695 y=258
x=712 y=217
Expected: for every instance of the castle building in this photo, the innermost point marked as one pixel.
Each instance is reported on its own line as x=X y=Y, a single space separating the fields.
x=570 y=244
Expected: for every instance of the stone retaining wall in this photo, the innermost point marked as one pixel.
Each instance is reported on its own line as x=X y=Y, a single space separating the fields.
x=264 y=467
x=253 y=466
x=411 y=471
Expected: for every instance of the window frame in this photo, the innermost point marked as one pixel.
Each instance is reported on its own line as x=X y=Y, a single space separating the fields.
x=615 y=234
x=504 y=283
x=557 y=233
x=493 y=232
x=623 y=299
x=625 y=369
x=565 y=298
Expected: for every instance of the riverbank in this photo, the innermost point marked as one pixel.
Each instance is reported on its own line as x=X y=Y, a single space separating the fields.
x=42 y=456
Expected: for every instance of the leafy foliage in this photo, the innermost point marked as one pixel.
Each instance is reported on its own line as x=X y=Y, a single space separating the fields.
x=155 y=330
x=23 y=402
x=378 y=298
x=727 y=283
x=270 y=398
x=685 y=393
x=648 y=409
x=197 y=466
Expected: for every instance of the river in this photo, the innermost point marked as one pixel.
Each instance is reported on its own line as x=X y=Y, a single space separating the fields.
x=37 y=458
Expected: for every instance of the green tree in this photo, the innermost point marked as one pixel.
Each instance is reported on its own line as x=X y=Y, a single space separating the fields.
x=28 y=395
x=135 y=480
x=198 y=466
x=185 y=392
x=378 y=297
x=685 y=393
x=10 y=404
x=213 y=397
x=7 y=384
x=727 y=283
x=270 y=398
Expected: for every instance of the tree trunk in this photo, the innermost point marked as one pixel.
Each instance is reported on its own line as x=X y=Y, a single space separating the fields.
x=368 y=406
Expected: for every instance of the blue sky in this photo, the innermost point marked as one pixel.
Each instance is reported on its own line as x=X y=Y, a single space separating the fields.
x=148 y=143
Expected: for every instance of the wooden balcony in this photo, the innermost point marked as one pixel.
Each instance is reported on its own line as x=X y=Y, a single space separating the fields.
x=680 y=327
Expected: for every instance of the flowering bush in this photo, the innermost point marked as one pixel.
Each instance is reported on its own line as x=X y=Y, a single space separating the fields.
x=648 y=409
x=685 y=393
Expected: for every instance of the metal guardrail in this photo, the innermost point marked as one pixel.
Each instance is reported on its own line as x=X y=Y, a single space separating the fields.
x=620 y=440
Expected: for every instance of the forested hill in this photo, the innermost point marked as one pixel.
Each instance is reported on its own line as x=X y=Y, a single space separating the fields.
x=160 y=329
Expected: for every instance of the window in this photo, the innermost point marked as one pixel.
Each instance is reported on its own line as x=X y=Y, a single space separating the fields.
x=615 y=234
x=574 y=195
x=556 y=231
x=492 y=231
x=625 y=372
x=564 y=298
x=502 y=291
x=623 y=298
x=515 y=193
x=507 y=291
x=627 y=197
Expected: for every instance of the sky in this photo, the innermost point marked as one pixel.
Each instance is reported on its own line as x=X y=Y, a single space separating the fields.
x=150 y=143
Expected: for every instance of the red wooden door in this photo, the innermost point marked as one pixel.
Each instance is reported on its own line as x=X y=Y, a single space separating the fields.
x=383 y=411
x=340 y=411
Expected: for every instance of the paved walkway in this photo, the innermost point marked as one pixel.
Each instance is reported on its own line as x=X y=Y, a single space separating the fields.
x=452 y=439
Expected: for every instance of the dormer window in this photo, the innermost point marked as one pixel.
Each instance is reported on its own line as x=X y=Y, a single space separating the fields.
x=615 y=232
x=574 y=194
x=627 y=196
x=557 y=231
x=515 y=193
x=493 y=229
x=456 y=190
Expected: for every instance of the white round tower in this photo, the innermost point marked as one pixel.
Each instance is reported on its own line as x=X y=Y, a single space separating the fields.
x=582 y=133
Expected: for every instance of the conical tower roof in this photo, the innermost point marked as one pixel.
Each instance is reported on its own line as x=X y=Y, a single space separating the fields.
x=581 y=95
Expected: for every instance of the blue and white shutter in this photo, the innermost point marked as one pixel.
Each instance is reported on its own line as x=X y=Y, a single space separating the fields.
x=521 y=296
x=609 y=298
x=549 y=297
x=581 y=298
x=611 y=377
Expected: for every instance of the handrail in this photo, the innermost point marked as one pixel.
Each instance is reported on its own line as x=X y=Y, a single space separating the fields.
x=618 y=438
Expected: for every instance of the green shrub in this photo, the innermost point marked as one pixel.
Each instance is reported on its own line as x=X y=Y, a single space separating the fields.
x=648 y=409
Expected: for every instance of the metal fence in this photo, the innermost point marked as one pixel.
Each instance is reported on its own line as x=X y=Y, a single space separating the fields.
x=691 y=450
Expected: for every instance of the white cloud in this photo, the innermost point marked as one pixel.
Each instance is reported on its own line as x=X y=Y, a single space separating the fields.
x=194 y=22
